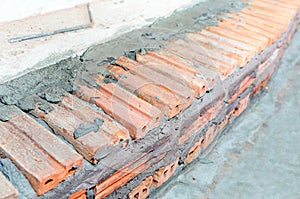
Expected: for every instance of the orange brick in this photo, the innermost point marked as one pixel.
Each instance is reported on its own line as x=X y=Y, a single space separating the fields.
x=7 y=190
x=194 y=152
x=122 y=176
x=143 y=190
x=81 y=194
x=231 y=42
x=186 y=65
x=37 y=152
x=238 y=25
x=275 y=33
x=260 y=45
x=194 y=52
x=164 y=173
x=157 y=89
x=132 y=112
x=269 y=24
x=216 y=51
x=209 y=136
x=199 y=85
x=267 y=17
x=200 y=122
x=281 y=9
x=92 y=145
x=242 y=105
x=241 y=56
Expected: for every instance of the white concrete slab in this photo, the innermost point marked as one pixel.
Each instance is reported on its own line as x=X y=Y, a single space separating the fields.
x=111 y=18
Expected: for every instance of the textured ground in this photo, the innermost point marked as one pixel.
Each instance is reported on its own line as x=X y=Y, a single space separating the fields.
x=259 y=155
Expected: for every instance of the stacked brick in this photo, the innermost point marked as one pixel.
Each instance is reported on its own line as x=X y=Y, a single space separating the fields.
x=149 y=114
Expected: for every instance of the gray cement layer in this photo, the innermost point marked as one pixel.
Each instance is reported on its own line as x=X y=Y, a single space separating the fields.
x=258 y=157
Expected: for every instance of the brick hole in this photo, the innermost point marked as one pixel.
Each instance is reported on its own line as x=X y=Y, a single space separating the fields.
x=157 y=119
x=190 y=153
x=72 y=170
x=144 y=128
x=188 y=97
x=177 y=106
x=137 y=195
x=48 y=181
x=202 y=141
x=145 y=190
x=172 y=167
x=166 y=172
x=155 y=181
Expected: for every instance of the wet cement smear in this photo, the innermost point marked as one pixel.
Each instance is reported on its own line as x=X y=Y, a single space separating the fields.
x=259 y=155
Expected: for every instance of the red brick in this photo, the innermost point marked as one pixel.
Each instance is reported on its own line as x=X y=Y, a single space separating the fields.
x=194 y=152
x=81 y=194
x=37 y=152
x=75 y=112
x=157 y=89
x=142 y=191
x=199 y=85
x=163 y=174
x=242 y=105
x=200 y=122
x=122 y=176
x=196 y=53
x=281 y=9
x=262 y=25
x=267 y=17
x=186 y=65
x=7 y=190
x=267 y=24
x=132 y=112
x=242 y=56
x=216 y=51
x=239 y=36
x=209 y=136
x=238 y=25
x=230 y=42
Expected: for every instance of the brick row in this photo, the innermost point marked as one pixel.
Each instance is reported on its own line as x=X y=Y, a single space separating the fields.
x=36 y=152
x=132 y=112
x=156 y=88
x=79 y=127
x=123 y=175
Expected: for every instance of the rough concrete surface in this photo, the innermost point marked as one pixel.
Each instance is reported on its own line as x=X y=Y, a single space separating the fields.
x=258 y=157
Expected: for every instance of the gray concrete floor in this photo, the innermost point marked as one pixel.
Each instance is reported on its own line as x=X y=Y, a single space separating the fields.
x=259 y=156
